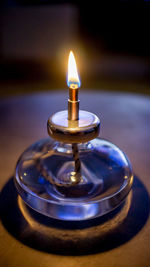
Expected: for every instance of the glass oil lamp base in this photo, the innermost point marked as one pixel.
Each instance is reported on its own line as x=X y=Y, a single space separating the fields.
x=43 y=175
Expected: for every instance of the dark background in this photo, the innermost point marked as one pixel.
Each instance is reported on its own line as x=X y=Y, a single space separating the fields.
x=110 y=40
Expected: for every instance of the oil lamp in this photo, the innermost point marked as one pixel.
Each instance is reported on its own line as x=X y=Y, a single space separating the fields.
x=73 y=175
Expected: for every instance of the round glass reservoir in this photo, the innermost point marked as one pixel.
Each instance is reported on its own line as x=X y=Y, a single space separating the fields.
x=106 y=179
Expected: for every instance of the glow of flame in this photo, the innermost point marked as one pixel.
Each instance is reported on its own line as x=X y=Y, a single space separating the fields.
x=73 y=80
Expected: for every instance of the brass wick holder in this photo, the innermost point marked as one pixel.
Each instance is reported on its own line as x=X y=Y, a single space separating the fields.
x=74 y=127
x=73 y=104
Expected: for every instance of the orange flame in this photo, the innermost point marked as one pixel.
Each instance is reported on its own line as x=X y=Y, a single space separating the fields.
x=73 y=80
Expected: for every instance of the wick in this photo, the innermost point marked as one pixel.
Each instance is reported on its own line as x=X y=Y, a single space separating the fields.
x=76 y=175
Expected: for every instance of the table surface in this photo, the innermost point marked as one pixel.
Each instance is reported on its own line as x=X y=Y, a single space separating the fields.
x=120 y=239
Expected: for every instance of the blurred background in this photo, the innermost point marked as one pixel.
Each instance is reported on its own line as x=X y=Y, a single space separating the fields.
x=110 y=40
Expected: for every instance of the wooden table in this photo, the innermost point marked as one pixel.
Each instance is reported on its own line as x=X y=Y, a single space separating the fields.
x=121 y=238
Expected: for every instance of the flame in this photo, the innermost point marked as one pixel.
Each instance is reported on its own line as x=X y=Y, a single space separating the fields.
x=73 y=80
